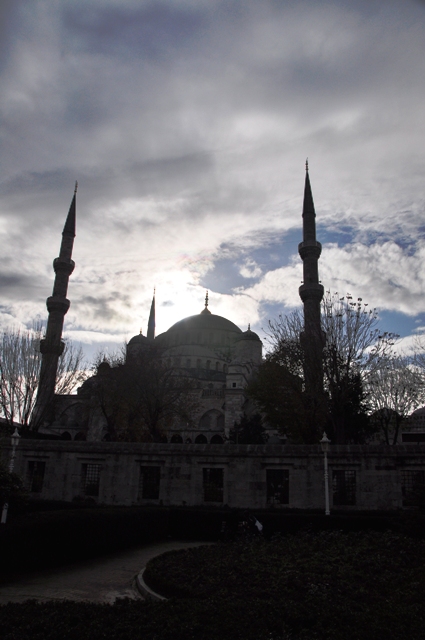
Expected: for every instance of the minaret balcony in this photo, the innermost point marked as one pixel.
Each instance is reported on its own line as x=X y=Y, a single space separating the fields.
x=310 y=250
x=58 y=304
x=64 y=265
x=311 y=291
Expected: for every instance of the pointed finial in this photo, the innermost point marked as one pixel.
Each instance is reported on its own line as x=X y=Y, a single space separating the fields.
x=76 y=187
x=154 y=291
x=141 y=332
x=205 y=310
x=306 y=165
x=249 y=326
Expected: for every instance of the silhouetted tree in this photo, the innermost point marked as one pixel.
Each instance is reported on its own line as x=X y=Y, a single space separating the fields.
x=248 y=430
x=353 y=350
x=142 y=397
x=395 y=389
x=20 y=361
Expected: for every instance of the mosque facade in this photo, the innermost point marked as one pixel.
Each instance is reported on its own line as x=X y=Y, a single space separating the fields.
x=186 y=467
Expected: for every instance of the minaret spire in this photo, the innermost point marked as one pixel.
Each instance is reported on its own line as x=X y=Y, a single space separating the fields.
x=151 y=322
x=311 y=293
x=51 y=346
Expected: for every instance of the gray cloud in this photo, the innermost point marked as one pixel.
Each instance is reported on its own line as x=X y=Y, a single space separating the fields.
x=187 y=124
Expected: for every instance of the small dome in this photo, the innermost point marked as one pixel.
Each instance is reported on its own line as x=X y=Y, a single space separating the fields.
x=139 y=339
x=249 y=335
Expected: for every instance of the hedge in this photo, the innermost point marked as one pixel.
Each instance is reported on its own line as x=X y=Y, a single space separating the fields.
x=38 y=539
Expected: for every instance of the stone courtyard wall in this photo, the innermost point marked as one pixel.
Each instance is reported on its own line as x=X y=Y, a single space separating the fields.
x=240 y=474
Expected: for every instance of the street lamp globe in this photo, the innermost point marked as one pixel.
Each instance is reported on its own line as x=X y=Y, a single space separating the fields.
x=325 y=442
x=15 y=437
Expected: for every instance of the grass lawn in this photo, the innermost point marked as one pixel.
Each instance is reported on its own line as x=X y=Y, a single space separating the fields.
x=329 y=585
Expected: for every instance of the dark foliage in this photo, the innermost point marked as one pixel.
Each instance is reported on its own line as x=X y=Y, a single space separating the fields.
x=326 y=585
x=142 y=397
x=249 y=430
x=323 y=586
x=12 y=489
x=278 y=390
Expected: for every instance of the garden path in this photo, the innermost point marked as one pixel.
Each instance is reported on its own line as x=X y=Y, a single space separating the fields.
x=101 y=580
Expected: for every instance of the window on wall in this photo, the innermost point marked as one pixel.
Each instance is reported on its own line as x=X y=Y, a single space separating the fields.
x=412 y=486
x=91 y=479
x=213 y=485
x=344 y=487
x=277 y=486
x=149 y=483
x=35 y=475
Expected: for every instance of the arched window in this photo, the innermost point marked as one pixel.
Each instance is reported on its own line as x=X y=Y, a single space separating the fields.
x=176 y=438
x=208 y=364
x=66 y=436
x=201 y=439
x=212 y=419
x=216 y=439
x=217 y=366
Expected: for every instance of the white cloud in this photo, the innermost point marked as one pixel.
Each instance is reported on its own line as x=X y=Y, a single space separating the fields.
x=250 y=269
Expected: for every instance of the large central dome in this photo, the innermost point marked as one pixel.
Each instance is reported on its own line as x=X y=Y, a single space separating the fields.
x=204 y=328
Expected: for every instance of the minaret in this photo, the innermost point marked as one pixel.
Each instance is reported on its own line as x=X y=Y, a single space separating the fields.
x=311 y=293
x=151 y=322
x=51 y=346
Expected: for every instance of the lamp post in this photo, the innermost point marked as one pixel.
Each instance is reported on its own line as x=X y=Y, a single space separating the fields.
x=324 y=443
x=15 y=441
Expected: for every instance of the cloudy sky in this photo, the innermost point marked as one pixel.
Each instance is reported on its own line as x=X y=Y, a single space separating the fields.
x=187 y=124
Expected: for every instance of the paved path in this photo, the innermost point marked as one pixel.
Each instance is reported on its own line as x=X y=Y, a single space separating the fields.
x=101 y=580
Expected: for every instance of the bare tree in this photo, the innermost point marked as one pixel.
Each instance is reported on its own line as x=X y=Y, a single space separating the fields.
x=354 y=348
x=20 y=361
x=395 y=389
